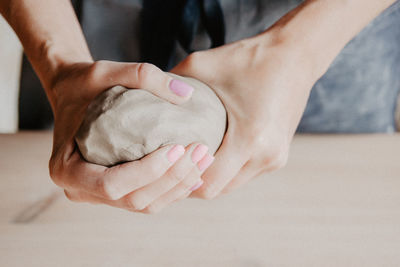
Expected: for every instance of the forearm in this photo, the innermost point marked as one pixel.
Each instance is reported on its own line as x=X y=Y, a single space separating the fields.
x=50 y=34
x=319 y=29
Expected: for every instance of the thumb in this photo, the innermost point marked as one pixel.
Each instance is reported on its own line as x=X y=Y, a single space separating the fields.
x=148 y=77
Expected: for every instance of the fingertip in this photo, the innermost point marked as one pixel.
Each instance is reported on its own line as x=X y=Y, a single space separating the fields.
x=180 y=88
x=199 y=152
x=175 y=153
x=169 y=88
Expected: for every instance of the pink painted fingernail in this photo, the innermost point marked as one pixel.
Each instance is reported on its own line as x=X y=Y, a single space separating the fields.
x=199 y=152
x=175 y=153
x=197 y=186
x=205 y=162
x=180 y=88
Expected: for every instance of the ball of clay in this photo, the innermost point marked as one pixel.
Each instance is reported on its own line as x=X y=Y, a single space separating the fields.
x=126 y=124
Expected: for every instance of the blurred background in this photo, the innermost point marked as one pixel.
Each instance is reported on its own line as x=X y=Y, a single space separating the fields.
x=10 y=68
x=29 y=108
x=345 y=100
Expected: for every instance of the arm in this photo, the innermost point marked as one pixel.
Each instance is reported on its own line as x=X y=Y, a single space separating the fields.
x=56 y=47
x=264 y=82
x=50 y=34
x=321 y=28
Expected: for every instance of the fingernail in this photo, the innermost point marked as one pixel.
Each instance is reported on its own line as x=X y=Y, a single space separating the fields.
x=175 y=153
x=205 y=162
x=197 y=186
x=180 y=88
x=199 y=152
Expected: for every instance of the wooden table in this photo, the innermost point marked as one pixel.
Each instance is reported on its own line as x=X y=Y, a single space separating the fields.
x=337 y=203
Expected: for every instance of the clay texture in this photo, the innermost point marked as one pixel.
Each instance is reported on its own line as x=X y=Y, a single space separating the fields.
x=126 y=124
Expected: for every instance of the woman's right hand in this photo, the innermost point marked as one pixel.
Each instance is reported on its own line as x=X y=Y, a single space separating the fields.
x=147 y=185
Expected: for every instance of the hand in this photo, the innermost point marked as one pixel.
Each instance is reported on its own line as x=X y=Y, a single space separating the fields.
x=146 y=185
x=264 y=86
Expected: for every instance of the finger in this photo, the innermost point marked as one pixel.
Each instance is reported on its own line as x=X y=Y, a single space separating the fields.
x=80 y=196
x=142 y=197
x=183 y=196
x=251 y=170
x=191 y=183
x=115 y=182
x=229 y=159
x=143 y=76
x=84 y=197
x=244 y=176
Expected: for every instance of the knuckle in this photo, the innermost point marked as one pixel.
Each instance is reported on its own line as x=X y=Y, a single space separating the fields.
x=107 y=189
x=152 y=209
x=276 y=158
x=56 y=173
x=176 y=177
x=281 y=161
x=71 y=197
x=208 y=193
x=154 y=170
x=187 y=184
x=257 y=138
x=188 y=193
x=98 y=69
x=136 y=202
x=272 y=153
x=53 y=171
x=144 y=71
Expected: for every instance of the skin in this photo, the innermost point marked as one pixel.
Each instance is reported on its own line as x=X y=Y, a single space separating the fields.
x=264 y=106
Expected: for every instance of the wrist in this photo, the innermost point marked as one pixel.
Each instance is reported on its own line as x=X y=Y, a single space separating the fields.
x=50 y=34
x=309 y=61
x=279 y=49
x=303 y=43
x=50 y=60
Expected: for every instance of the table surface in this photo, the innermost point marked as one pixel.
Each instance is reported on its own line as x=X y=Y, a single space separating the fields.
x=336 y=203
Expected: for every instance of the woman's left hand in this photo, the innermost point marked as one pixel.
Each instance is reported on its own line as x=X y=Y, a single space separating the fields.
x=264 y=86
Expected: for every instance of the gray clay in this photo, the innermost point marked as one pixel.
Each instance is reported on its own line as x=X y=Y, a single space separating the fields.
x=124 y=125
